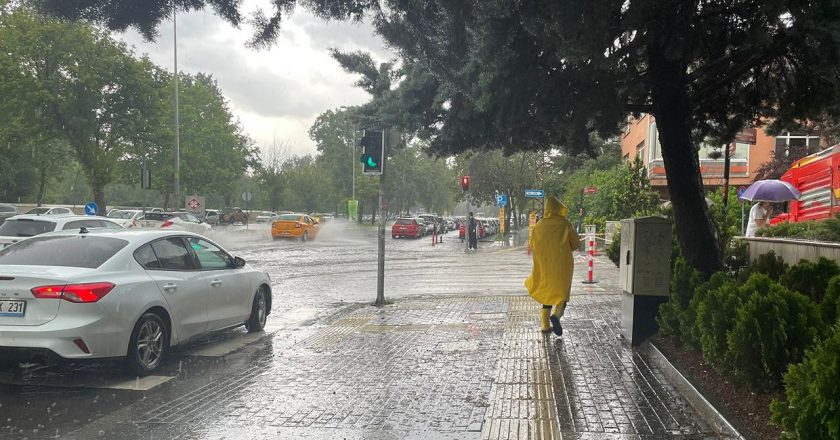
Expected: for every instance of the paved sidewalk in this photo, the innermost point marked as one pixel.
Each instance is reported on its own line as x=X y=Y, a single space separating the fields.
x=469 y=366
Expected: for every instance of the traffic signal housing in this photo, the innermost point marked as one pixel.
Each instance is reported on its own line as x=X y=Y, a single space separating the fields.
x=465 y=183
x=373 y=152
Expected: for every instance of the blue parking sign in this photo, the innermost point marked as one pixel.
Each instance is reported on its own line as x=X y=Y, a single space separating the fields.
x=501 y=199
x=91 y=209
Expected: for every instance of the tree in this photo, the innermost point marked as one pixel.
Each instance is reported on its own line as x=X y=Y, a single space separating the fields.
x=83 y=85
x=538 y=75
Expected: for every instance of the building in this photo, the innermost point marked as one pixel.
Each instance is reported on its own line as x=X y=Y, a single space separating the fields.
x=752 y=149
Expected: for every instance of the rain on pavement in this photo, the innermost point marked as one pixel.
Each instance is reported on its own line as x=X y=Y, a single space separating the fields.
x=456 y=354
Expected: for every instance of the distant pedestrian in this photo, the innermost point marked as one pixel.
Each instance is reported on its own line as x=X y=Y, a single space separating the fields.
x=552 y=242
x=759 y=217
x=472 y=230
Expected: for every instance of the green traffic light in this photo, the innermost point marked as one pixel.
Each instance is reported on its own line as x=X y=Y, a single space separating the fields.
x=368 y=160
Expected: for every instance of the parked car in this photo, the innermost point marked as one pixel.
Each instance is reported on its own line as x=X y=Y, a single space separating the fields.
x=7 y=211
x=21 y=227
x=173 y=221
x=266 y=217
x=230 y=216
x=211 y=217
x=426 y=226
x=132 y=294
x=450 y=225
x=43 y=210
x=407 y=227
x=127 y=218
x=297 y=226
x=480 y=231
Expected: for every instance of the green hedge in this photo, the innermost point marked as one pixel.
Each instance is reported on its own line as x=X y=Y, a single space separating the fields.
x=810 y=278
x=811 y=409
x=823 y=230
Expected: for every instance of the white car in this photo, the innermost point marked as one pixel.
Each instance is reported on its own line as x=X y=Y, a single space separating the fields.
x=131 y=294
x=127 y=218
x=177 y=221
x=20 y=227
x=266 y=217
x=50 y=211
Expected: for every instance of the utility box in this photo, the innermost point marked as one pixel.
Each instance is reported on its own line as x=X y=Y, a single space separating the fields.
x=644 y=275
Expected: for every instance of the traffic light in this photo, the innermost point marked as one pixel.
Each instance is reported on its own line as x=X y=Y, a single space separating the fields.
x=465 y=183
x=373 y=152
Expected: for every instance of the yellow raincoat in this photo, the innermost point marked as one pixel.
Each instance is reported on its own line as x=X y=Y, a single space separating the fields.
x=552 y=243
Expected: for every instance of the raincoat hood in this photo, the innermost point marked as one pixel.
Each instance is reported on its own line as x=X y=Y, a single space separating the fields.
x=554 y=207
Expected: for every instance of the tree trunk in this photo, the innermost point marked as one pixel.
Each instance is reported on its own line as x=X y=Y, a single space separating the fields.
x=42 y=185
x=682 y=166
x=99 y=198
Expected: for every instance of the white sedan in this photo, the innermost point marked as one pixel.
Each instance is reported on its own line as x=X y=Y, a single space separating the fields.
x=131 y=294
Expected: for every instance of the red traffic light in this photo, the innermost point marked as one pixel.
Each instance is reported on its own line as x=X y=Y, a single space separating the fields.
x=465 y=183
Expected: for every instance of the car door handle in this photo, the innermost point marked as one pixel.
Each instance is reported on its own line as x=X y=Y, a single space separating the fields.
x=170 y=287
x=216 y=283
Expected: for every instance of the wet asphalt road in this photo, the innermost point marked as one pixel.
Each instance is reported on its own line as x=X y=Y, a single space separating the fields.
x=310 y=281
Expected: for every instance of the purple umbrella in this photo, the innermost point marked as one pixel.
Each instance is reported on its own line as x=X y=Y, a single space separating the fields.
x=771 y=190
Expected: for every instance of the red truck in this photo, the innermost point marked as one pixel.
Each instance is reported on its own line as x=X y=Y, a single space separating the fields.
x=817 y=177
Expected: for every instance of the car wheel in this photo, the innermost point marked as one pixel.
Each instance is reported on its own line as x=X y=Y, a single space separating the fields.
x=148 y=345
x=305 y=237
x=259 y=312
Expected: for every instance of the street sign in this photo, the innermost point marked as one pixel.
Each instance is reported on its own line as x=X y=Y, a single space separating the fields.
x=91 y=209
x=741 y=191
x=195 y=205
x=502 y=220
x=246 y=196
x=534 y=193
x=590 y=190
x=501 y=199
x=146 y=179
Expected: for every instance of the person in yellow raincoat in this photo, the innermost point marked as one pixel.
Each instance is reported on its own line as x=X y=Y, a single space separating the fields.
x=552 y=242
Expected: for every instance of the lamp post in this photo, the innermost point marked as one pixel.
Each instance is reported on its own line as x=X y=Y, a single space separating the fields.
x=177 y=116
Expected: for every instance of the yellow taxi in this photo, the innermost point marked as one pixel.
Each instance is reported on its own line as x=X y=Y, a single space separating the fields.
x=296 y=226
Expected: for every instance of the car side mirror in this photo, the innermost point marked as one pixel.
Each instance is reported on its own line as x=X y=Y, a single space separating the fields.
x=238 y=262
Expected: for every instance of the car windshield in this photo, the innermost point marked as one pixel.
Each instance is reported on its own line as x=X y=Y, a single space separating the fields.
x=290 y=217
x=121 y=215
x=25 y=227
x=66 y=250
x=37 y=211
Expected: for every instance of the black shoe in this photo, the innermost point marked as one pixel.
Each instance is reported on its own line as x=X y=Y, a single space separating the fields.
x=555 y=325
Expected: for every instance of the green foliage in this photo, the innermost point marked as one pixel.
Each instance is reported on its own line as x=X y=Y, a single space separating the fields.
x=811 y=409
x=822 y=230
x=768 y=264
x=614 y=249
x=736 y=256
x=684 y=282
x=717 y=312
x=810 y=278
x=689 y=327
x=772 y=330
x=830 y=306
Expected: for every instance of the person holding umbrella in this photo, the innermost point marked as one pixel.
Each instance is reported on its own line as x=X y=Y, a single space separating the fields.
x=759 y=217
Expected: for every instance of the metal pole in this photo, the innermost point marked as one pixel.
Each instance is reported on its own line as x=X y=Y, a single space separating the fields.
x=177 y=118
x=380 y=276
x=353 y=162
x=467 y=226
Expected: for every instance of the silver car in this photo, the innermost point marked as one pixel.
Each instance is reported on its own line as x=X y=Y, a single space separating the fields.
x=131 y=294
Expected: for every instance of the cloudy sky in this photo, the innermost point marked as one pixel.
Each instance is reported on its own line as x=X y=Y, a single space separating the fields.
x=276 y=93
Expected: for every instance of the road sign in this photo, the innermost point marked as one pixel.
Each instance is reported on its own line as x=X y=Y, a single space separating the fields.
x=590 y=190
x=246 y=196
x=741 y=191
x=195 y=205
x=91 y=209
x=146 y=179
x=534 y=193
x=501 y=199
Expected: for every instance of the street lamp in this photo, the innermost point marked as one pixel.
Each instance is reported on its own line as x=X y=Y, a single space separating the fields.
x=177 y=115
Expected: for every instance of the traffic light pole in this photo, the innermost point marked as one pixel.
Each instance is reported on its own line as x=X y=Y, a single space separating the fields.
x=380 y=275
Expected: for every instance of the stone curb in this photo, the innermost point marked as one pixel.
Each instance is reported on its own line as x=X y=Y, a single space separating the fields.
x=703 y=407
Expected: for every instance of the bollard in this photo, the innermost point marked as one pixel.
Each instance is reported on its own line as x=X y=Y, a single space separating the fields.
x=590 y=276
x=434 y=238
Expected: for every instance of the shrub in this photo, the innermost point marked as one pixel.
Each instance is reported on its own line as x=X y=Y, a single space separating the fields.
x=768 y=264
x=736 y=256
x=811 y=409
x=773 y=329
x=810 y=278
x=717 y=311
x=614 y=249
x=830 y=306
x=689 y=331
x=684 y=282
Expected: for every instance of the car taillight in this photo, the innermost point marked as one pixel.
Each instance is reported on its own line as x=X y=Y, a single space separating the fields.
x=166 y=224
x=297 y=225
x=77 y=293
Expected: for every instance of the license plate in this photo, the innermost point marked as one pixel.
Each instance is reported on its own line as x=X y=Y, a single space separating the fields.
x=12 y=308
